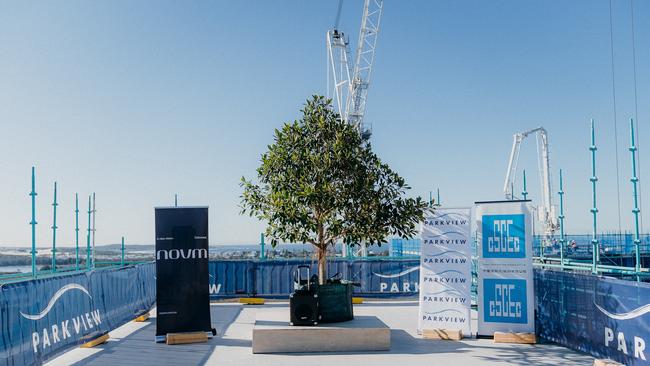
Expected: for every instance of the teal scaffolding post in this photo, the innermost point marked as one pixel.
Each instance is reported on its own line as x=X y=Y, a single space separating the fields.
x=524 y=193
x=122 y=261
x=88 y=236
x=594 y=210
x=561 y=217
x=636 y=210
x=262 y=250
x=76 y=231
x=33 y=222
x=438 y=196
x=430 y=199
x=54 y=227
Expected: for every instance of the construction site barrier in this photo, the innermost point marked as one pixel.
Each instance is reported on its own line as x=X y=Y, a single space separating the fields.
x=606 y=317
x=42 y=317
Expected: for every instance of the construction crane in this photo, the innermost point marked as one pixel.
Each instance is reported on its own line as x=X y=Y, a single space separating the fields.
x=350 y=85
x=546 y=211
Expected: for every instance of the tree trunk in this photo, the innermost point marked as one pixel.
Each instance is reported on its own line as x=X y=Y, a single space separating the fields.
x=322 y=265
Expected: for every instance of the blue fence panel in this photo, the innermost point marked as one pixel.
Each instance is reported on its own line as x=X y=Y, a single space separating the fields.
x=394 y=277
x=606 y=317
x=42 y=317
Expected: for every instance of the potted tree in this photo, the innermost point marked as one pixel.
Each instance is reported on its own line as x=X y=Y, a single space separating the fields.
x=320 y=183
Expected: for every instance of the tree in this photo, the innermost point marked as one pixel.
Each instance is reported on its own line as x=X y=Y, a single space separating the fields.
x=320 y=183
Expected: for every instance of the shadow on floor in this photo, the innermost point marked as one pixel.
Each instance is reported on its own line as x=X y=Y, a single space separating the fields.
x=139 y=348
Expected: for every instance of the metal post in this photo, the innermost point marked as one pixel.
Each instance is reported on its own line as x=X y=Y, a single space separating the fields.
x=94 y=229
x=430 y=199
x=262 y=251
x=636 y=210
x=175 y=200
x=512 y=191
x=88 y=236
x=524 y=193
x=122 y=263
x=561 y=217
x=438 y=196
x=33 y=222
x=54 y=227
x=594 y=209
x=76 y=231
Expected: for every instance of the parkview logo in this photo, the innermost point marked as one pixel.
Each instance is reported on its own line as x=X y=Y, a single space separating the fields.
x=57 y=332
x=172 y=254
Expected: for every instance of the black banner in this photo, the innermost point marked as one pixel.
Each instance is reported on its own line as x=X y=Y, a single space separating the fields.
x=182 y=284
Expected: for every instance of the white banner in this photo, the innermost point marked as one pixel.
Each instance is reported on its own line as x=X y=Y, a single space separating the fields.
x=505 y=267
x=446 y=270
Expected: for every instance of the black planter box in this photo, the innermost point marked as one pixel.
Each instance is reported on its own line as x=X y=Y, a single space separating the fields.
x=335 y=302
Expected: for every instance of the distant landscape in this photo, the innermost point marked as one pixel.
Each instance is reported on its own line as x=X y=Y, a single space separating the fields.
x=18 y=259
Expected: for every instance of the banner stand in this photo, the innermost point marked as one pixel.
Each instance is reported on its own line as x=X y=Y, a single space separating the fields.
x=445 y=274
x=505 y=271
x=182 y=276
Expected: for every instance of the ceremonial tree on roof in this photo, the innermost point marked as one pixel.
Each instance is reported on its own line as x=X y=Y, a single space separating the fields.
x=321 y=183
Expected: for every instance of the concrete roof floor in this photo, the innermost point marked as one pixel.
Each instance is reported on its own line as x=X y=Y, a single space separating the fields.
x=133 y=344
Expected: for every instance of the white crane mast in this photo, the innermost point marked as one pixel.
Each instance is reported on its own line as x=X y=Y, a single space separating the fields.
x=546 y=210
x=351 y=88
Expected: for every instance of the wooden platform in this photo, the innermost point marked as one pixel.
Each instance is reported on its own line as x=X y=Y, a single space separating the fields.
x=521 y=338
x=273 y=334
x=442 y=334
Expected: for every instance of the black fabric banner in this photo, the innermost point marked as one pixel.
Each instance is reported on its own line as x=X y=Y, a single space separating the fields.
x=182 y=284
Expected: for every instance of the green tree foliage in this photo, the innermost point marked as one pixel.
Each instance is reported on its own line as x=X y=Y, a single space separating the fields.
x=320 y=183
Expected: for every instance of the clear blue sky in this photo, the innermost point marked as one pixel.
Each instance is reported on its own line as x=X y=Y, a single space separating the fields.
x=139 y=100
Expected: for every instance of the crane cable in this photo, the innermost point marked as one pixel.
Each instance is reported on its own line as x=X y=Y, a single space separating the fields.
x=338 y=15
x=636 y=113
x=618 y=185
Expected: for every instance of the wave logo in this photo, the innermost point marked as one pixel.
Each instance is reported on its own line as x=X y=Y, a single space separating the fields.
x=397 y=275
x=642 y=310
x=53 y=300
x=71 y=327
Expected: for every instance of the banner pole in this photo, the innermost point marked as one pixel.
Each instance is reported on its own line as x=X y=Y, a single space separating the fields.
x=122 y=252
x=76 y=231
x=88 y=237
x=54 y=227
x=561 y=217
x=93 y=231
x=524 y=193
x=636 y=210
x=33 y=222
x=594 y=210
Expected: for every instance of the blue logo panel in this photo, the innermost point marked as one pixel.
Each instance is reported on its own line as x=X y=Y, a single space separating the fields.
x=504 y=301
x=504 y=236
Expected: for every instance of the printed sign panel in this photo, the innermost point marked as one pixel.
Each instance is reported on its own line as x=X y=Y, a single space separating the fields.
x=505 y=267
x=182 y=282
x=606 y=317
x=43 y=317
x=446 y=271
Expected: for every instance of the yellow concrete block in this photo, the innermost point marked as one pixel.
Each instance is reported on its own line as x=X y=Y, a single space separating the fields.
x=142 y=318
x=524 y=338
x=444 y=334
x=357 y=300
x=95 y=342
x=251 y=300
x=190 y=337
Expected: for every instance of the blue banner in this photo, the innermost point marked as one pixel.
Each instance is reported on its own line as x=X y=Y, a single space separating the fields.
x=606 y=317
x=45 y=316
x=383 y=278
